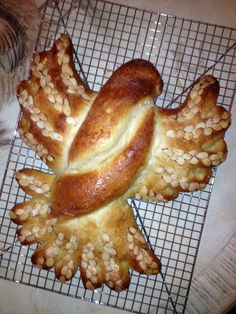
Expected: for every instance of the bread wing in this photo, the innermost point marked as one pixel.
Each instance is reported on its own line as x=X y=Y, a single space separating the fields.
x=187 y=143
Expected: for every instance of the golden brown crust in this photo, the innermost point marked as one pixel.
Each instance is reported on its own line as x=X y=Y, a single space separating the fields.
x=136 y=81
x=78 y=193
x=103 y=244
x=54 y=101
x=35 y=182
x=189 y=142
x=107 y=147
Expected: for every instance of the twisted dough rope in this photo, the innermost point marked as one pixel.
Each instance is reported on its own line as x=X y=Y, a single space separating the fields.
x=104 y=148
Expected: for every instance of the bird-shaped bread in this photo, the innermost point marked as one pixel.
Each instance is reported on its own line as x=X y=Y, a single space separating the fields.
x=103 y=148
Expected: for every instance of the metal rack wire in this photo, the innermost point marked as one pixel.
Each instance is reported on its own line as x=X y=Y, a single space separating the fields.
x=105 y=35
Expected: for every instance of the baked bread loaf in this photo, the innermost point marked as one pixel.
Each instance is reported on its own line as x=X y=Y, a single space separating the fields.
x=102 y=148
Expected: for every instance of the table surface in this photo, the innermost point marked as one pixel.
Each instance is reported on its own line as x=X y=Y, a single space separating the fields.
x=221 y=217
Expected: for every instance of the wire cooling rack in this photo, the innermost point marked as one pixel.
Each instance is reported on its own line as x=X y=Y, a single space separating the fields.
x=106 y=35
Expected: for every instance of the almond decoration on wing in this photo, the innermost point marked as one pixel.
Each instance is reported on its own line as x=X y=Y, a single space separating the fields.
x=102 y=148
